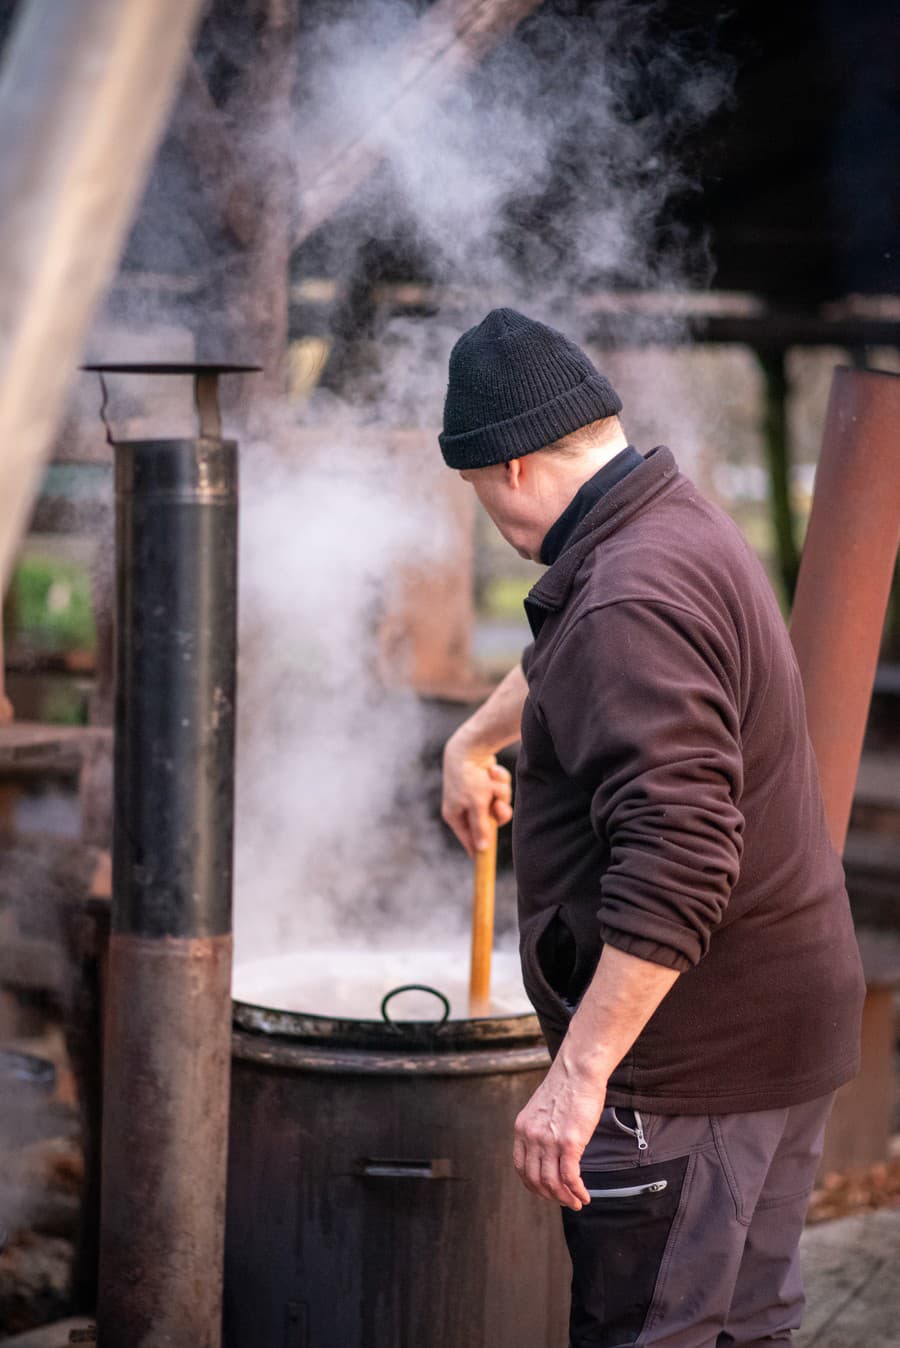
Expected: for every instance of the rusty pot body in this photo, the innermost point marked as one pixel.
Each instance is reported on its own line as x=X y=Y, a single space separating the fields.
x=372 y=1201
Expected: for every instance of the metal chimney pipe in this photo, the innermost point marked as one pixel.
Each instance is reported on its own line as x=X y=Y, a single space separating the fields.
x=845 y=576
x=168 y=1031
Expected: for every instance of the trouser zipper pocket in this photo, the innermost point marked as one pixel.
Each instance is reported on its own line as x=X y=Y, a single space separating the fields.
x=630 y=1190
x=637 y=1132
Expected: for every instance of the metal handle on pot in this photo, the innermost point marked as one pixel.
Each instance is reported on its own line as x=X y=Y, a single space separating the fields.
x=390 y=1168
x=413 y=987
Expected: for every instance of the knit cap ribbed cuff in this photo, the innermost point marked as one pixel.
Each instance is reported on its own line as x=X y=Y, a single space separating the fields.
x=516 y=385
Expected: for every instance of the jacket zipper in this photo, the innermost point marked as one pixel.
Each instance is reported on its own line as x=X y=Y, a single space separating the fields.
x=630 y=1191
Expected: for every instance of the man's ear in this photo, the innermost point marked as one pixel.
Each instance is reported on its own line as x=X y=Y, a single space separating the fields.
x=513 y=472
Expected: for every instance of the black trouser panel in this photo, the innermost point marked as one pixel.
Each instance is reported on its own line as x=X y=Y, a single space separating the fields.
x=617 y=1244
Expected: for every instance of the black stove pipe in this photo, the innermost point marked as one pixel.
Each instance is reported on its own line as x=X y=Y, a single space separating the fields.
x=167 y=1051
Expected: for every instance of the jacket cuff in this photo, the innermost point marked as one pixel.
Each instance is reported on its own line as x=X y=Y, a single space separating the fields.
x=644 y=949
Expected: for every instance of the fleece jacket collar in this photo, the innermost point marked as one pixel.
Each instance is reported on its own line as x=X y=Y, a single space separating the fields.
x=561 y=533
x=631 y=494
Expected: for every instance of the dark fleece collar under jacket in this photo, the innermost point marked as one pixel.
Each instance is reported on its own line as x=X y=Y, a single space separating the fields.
x=628 y=495
x=561 y=533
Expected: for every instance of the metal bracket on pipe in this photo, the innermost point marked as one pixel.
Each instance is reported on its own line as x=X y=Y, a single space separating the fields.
x=206 y=386
x=206 y=400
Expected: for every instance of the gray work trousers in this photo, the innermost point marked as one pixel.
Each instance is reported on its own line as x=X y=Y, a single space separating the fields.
x=691 y=1237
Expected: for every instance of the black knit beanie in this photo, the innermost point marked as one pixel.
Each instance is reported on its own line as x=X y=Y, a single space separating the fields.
x=515 y=386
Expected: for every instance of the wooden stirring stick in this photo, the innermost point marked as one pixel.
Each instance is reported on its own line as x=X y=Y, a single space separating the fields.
x=483 y=925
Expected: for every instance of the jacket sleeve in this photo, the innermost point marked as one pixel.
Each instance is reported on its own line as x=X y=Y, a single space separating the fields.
x=641 y=708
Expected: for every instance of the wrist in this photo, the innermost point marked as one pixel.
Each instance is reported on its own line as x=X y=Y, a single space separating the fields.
x=588 y=1069
x=465 y=742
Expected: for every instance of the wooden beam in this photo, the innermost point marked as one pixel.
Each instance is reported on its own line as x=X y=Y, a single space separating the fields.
x=449 y=41
x=29 y=744
x=85 y=92
x=256 y=284
x=204 y=131
x=633 y=318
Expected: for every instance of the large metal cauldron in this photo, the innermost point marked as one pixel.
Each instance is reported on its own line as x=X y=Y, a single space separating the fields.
x=372 y=1201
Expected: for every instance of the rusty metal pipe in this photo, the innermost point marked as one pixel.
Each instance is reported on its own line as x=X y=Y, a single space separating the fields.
x=845 y=576
x=167 y=1056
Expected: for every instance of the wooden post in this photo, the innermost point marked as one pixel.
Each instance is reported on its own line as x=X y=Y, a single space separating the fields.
x=199 y=125
x=776 y=435
x=263 y=210
x=85 y=92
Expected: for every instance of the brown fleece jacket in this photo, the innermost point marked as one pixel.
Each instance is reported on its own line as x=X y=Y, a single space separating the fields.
x=668 y=804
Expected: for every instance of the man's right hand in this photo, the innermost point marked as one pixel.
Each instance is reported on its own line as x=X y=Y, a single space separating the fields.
x=476 y=787
x=476 y=790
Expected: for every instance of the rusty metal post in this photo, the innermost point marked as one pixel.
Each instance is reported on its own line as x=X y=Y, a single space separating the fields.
x=845 y=576
x=167 y=1052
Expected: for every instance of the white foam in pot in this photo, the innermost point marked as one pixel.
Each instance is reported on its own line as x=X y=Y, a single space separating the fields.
x=349 y=984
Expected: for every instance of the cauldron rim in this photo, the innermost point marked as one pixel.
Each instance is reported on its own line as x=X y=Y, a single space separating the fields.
x=433 y=1036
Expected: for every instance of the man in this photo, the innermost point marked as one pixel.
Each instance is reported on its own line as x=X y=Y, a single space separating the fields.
x=685 y=933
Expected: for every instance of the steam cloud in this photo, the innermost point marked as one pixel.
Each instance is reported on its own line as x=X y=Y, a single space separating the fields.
x=544 y=176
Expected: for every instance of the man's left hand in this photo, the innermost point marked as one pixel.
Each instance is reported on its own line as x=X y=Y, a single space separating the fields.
x=552 y=1132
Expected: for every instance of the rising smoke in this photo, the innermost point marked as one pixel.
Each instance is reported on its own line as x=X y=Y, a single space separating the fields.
x=543 y=177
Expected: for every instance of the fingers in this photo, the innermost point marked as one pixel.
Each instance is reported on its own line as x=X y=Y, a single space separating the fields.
x=570 y=1174
x=480 y=822
x=501 y=782
x=479 y=827
x=541 y=1172
x=481 y=816
x=471 y=826
x=501 y=811
x=551 y=1175
x=474 y=799
x=552 y=1183
x=533 y=1172
x=548 y=1172
x=458 y=820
